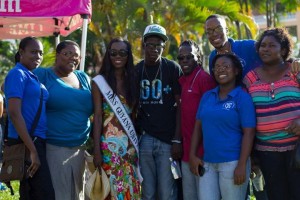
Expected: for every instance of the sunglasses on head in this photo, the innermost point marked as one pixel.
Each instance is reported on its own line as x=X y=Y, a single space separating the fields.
x=121 y=53
x=188 y=57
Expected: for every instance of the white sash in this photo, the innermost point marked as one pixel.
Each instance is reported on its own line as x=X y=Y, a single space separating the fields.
x=120 y=112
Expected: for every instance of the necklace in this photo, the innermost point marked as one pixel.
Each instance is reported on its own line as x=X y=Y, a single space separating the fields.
x=225 y=50
x=191 y=86
x=273 y=73
x=154 y=80
x=158 y=70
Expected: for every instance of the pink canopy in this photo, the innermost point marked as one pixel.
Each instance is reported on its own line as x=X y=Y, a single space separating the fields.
x=21 y=18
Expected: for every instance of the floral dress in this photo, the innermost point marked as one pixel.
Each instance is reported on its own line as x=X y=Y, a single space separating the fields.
x=119 y=157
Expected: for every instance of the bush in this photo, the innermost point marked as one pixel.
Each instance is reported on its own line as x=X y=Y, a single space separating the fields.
x=5 y=194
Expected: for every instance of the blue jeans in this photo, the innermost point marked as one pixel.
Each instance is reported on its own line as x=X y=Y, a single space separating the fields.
x=282 y=181
x=218 y=181
x=190 y=182
x=156 y=170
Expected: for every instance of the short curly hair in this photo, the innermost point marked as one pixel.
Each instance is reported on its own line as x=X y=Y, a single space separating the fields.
x=191 y=43
x=236 y=63
x=282 y=36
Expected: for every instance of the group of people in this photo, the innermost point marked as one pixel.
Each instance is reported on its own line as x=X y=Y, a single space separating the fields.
x=63 y=96
x=145 y=114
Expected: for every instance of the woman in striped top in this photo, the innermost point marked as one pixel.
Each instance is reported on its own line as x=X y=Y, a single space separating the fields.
x=276 y=96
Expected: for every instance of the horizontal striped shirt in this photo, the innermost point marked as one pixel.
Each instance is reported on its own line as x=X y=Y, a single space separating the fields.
x=277 y=104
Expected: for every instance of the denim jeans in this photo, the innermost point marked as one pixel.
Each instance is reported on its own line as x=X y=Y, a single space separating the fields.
x=190 y=182
x=218 y=181
x=155 y=166
x=282 y=181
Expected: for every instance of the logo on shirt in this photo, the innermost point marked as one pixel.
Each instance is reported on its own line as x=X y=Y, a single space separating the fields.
x=152 y=93
x=229 y=105
x=243 y=62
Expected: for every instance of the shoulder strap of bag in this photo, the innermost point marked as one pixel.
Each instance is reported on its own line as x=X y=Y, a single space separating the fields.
x=33 y=127
x=37 y=115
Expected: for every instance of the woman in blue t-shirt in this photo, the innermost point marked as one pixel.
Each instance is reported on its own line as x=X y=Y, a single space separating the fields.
x=226 y=122
x=23 y=93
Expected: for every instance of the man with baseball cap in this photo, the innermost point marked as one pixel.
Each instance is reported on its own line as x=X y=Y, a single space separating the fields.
x=155 y=29
x=158 y=116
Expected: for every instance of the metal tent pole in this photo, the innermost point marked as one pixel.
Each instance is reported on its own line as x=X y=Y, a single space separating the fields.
x=83 y=41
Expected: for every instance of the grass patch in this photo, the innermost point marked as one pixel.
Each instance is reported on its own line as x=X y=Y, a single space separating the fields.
x=5 y=194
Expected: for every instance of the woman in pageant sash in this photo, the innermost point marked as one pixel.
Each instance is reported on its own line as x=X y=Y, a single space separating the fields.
x=115 y=141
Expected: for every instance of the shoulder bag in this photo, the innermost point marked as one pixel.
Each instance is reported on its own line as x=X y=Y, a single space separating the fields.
x=16 y=155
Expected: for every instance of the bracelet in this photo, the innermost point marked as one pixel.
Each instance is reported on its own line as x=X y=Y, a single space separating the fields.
x=176 y=141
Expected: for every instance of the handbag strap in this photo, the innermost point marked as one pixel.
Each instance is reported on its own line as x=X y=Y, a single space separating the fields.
x=36 y=119
x=37 y=115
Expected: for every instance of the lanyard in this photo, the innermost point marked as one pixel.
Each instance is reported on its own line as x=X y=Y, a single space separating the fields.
x=191 y=86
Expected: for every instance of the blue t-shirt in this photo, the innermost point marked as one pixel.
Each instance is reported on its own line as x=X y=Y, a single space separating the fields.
x=68 y=109
x=222 y=123
x=245 y=50
x=23 y=84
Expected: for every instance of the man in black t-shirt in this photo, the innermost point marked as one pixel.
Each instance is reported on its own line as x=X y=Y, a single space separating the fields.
x=158 y=116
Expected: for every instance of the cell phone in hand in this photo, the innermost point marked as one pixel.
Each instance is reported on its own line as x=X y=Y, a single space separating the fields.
x=201 y=170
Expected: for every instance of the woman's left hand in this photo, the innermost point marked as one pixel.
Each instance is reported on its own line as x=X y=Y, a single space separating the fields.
x=97 y=159
x=35 y=164
x=294 y=127
x=239 y=174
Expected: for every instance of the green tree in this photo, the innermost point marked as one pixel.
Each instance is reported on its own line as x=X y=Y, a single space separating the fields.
x=7 y=56
x=272 y=9
x=183 y=19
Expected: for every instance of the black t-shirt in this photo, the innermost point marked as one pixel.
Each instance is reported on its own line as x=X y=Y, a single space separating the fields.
x=158 y=87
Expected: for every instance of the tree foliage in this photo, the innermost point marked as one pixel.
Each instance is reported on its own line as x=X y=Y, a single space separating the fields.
x=183 y=19
x=274 y=8
x=7 y=56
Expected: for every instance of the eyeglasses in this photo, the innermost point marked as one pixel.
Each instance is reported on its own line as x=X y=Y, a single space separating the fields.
x=188 y=57
x=219 y=68
x=121 y=53
x=70 y=54
x=219 y=29
x=154 y=46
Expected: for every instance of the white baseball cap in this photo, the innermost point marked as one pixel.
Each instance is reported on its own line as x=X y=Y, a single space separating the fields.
x=155 y=29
